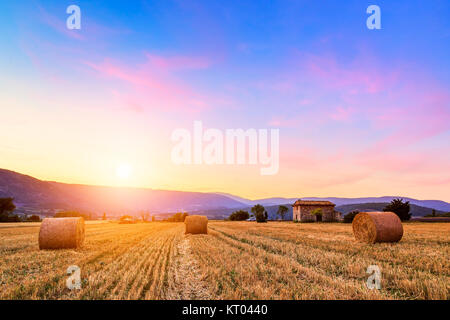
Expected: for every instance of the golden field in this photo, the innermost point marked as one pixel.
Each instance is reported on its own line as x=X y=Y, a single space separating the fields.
x=236 y=260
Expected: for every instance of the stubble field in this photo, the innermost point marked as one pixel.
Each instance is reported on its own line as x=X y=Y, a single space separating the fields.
x=236 y=260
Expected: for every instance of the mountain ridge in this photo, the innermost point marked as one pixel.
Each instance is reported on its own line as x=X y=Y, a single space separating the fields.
x=48 y=196
x=338 y=201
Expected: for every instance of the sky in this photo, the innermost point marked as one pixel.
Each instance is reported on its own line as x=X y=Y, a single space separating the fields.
x=360 y=112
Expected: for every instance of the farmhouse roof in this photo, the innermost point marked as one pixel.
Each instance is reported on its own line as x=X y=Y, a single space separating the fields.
x=301 y=202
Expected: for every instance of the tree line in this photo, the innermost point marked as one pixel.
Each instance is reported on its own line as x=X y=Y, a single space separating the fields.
x=258 y=212
x=398 y=206
x=7 y=208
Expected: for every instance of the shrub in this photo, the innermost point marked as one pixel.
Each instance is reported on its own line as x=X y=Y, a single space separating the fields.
x=178 y=217
x=34 y=218
x=400 y=208
x=6 y=208
x=260 y=213
x=348 y=218
x=73 y=214
x=126 y=219
x=438 y=215
x=282 y=210
x=240 y=215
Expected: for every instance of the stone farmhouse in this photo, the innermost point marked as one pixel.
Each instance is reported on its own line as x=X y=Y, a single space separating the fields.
x=312 y=211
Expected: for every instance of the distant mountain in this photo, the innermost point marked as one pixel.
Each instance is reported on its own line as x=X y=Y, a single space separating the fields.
x=264 y=202
x=236 y=198
x=33 y=194
x=416 y=211
x=225 y=213
x=36 y=196
x=434 y=204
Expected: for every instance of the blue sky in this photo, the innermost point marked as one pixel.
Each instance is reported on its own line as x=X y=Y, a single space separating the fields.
x=367 y=107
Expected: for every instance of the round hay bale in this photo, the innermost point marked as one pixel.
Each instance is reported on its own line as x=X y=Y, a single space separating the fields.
x=196 y=224
x=372 y=227
x=61 y=233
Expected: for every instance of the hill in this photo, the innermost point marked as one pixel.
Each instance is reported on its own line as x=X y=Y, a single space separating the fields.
x=416 y=211
x=434 y=204
x=32 y=195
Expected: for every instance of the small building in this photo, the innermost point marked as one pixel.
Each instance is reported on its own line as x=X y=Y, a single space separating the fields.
x=311 y=211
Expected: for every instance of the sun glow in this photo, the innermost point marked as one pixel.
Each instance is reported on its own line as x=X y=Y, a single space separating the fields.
x=123 y=171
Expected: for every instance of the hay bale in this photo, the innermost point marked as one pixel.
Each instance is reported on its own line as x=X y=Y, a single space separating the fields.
x=196 y=224
x=372 y=227
x=61 y=233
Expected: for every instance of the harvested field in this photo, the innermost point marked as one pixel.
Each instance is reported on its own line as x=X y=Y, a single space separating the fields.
x=236 y=260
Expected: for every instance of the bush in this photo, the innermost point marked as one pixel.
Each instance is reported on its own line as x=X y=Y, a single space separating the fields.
x=438 y=215
x=126 y=219
x=6 y=208
x=240 y=215
x=10 y=218
x=400 y=208
x=178 y=217
x=73 y=214
x=282 y=210
x=260 y=213
x=348 y=218
x=34 y=218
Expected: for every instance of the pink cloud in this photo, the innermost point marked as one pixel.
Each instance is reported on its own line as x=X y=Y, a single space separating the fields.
x=177 y=62
x=154 y=83
x=393 y=112
x=342 y=113
x=407 y=104
x=362 y=76
x=424 y=114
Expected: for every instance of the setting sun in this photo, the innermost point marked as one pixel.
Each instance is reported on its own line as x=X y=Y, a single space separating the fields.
x=123 y=171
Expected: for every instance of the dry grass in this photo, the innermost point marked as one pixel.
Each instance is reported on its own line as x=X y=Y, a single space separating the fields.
x=236 y=260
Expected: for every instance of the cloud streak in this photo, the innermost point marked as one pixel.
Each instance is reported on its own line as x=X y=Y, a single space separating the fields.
x=154 y=84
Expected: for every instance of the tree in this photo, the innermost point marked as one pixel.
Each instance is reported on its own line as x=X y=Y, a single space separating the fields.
x=240 y=215
x=433 y=213
x=6 y=208
x=348 y=218
x=126 y=219
x=178 y=217
x=153 y=219
x=72 y=214
x=400 y=208
x=104 y=216
x=282 y=210
x=260 y=213
x=145 y=215
x=34 y=218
